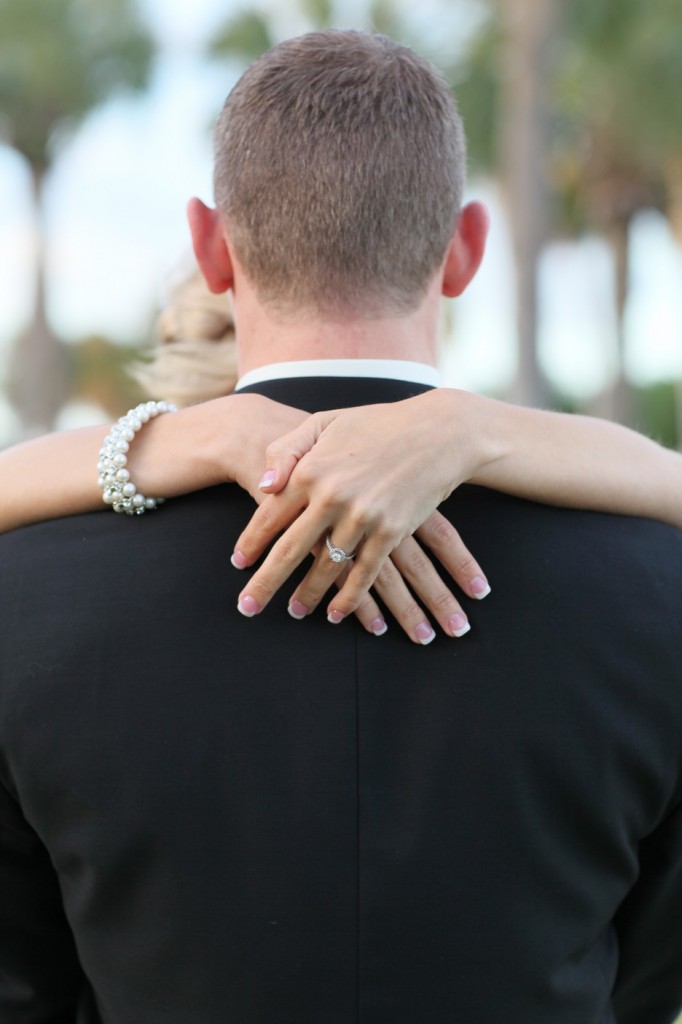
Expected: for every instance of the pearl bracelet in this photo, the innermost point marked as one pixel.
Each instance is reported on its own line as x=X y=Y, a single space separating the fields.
x=118 y=490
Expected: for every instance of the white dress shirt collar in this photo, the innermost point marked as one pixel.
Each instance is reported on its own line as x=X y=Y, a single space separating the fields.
x=387 y=369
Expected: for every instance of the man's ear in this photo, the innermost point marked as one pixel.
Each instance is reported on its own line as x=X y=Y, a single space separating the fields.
x=466 y=249
x=210 y=245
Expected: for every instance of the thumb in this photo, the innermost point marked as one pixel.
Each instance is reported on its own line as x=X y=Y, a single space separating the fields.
x=282 y=455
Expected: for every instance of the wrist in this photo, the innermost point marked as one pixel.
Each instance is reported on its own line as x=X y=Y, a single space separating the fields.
x=476 y=429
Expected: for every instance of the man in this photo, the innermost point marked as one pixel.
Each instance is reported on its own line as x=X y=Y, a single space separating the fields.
x=276 y=821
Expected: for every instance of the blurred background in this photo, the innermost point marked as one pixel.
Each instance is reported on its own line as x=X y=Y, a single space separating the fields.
x=573 y=110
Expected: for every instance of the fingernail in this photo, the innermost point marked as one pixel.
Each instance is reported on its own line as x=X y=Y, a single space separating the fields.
x=297 y=610
x=424 y=633
x=480 y=588
x=335 y=617
x=458 y=624
x=268 y=479
x=238 y=560
x=378 y=626
x=247 y=606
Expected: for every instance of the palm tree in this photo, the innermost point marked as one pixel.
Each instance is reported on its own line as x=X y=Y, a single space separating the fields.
x=619 y=149
x=58 y=60
x=575 y=107
x=526 y=31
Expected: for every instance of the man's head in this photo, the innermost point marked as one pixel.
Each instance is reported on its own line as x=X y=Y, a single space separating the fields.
x=340 y=165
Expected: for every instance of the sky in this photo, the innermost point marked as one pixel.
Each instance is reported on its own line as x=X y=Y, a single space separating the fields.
x=116 y=231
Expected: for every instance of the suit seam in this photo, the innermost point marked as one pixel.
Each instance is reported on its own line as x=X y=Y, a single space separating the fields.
x=357 y=825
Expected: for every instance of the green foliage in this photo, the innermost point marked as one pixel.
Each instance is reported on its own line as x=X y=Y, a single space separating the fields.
x=246 y=35
x=619 y=70
x=320 y=12
x=384 y=18
x=100 y=372
x=59 y=59
x=614 y=105
x=477 y=82
x=656 y=412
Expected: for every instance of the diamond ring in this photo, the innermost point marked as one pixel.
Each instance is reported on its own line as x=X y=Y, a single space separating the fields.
x=338 y=555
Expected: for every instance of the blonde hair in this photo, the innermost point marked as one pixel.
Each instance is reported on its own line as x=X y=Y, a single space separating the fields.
x=195 y=358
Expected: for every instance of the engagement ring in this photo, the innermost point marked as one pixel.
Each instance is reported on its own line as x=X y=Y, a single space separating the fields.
x=338 y=555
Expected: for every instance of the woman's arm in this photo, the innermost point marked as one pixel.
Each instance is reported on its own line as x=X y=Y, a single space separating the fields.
x=371 y=476
x=579 y=462
x=216 y=442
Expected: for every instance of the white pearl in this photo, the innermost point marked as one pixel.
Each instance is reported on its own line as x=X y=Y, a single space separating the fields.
x=138 y=501
x=121 y=445
x=150 y=503
x=122 y=475
x=127 y=434
x=119 y=459
x=128 y=490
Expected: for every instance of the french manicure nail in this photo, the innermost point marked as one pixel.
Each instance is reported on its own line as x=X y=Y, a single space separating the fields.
x=268 y=479
x=247 y=606
x=238 y=560
x=424 y=633
x=378 y=626
x=480 y=588
x=335 y=617
x=458 y=624
x=297 y=610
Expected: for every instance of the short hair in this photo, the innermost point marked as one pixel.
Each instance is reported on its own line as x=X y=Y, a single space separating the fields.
x=339 y=171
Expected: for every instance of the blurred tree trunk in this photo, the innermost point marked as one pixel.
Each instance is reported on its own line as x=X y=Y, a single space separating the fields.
x=528 y=29
x=58 y=61
x=38 y=369
x=674 y=183
x=621 y=398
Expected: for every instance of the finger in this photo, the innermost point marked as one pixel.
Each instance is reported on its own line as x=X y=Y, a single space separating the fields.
x=418 y=571
x=285 y=555
x=325 y=571
x=367 y=613
x=393 y=591
x=275 y=514
x=282 y=455
x=440 y=536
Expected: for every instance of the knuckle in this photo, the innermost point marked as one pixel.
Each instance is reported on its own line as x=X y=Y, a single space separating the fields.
x=418 y=563
x=387 y=573
x=306 y=471
x=444 y=601
x=360 y=516
x=261 y=588
x=466 y=565
x=411 y=612
x=362 y=578
x=265 y=517
x=286 y=550
x=388 y=533
x=443 y=532
x=366 y=609
x=273 y=450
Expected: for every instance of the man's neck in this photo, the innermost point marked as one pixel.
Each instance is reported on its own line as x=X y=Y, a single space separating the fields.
x=263 y=339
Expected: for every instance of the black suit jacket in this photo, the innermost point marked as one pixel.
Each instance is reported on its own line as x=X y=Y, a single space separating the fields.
x=208 y=820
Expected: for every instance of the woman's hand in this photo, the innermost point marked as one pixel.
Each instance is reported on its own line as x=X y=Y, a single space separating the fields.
x=368 y=478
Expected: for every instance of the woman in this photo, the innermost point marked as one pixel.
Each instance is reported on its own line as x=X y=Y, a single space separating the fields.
x=421 y=450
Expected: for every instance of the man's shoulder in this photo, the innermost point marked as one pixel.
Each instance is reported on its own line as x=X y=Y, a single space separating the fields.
x=102 y=542
x=585 y=552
